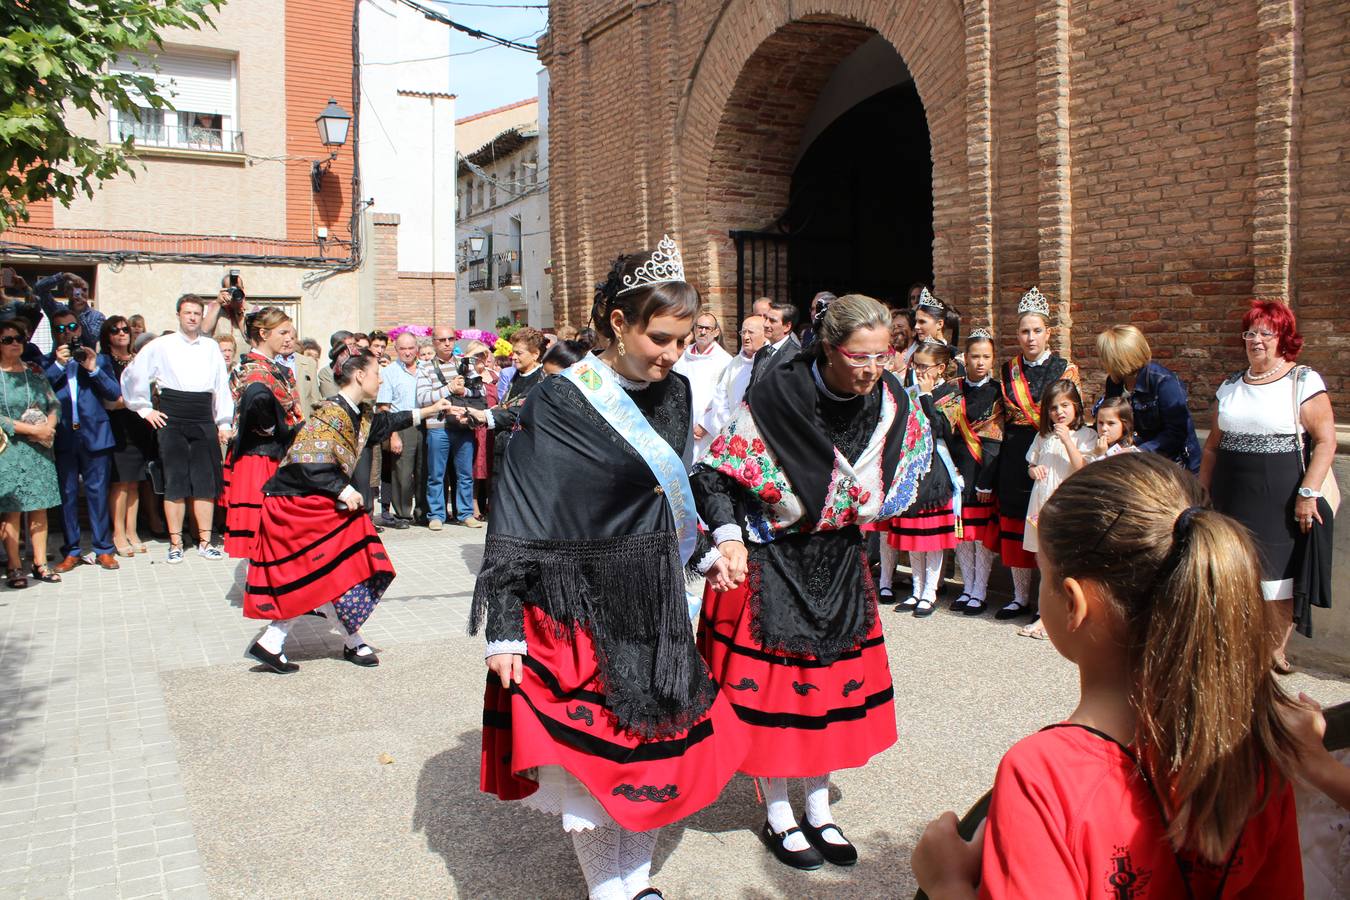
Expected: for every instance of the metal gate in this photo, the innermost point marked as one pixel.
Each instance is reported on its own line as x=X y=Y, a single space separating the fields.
x=761 y=268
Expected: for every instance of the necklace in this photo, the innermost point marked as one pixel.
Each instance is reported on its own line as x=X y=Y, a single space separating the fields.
x=1268 y=375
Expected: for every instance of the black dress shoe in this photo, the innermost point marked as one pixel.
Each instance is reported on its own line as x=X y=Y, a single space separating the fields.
x=925 y=608
x=844 y=854
x=352 y=656
x=960 y=603
x=1012 y=611
x=975 y=607
x=397 y=524
x=272 y=662
x=648 y=892
x=807 y=860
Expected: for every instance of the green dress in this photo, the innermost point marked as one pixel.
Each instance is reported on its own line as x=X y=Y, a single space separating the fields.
x=27 y=469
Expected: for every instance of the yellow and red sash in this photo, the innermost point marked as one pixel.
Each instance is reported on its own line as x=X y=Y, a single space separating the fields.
x=1021 y=392
x=955 y=410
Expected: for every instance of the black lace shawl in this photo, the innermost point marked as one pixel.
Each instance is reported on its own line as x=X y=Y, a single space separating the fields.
x=810 y=593
x=580 y=530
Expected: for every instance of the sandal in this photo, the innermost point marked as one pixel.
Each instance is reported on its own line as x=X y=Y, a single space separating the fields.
x=1034 y=630
x=128 y=552
x=46 y=575
x=16 y=579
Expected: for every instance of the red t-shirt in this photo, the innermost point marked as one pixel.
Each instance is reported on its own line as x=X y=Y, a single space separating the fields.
x=1072 y=817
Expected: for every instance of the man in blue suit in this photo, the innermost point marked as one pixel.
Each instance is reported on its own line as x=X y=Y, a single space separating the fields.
x=84 y=438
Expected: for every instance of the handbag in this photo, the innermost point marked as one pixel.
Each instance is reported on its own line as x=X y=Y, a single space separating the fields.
x=1330 y=490
x=154 y=470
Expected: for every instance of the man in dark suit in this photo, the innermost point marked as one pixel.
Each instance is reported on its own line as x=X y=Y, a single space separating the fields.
x=781 y=344
x=84 y=438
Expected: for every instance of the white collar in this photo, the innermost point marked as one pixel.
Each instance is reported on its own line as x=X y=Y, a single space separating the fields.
x=779 y=345
x=350 y=405
x=982 y=381
x=1040 y=360
x=627 y=384
x=693 y=350
x=191 y=342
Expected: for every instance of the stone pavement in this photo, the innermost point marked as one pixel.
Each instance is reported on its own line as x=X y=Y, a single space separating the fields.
x=141 y=755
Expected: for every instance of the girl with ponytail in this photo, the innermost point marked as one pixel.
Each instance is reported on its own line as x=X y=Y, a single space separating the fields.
x=1174 y=769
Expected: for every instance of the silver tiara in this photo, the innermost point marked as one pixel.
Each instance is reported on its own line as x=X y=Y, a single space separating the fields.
x=981 y=334
x=928 y=301
x=665 y=266
x=1033 y=301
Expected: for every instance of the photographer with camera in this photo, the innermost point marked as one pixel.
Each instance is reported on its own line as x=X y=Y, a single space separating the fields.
x=84 y=438
x=449 y=441
x=225 y=314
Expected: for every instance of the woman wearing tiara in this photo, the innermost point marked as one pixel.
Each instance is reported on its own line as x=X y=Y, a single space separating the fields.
x=824 y=444
x=975 y=411
x=598 y=707
x=1025 y=378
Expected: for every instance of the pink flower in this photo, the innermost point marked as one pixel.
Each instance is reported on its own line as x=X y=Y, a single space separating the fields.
x=757 y=445
x=719 y=445
x=751 y=474
x=738 y=446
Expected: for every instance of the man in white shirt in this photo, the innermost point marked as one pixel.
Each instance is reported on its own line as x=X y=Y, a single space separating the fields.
x=730 y=388
x=781 y=344
x=398 y=393
x=702 y=363
x=191 y=423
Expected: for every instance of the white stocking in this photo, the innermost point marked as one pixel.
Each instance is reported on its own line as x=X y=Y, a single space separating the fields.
x=818 y=807
x=918 y=570
x=635 y=859
x=984 y=564
x=1021 y=579
x=890 y=558
x=932 y=574
x=779 y=811
x=597 y=851
x=274 y=638
x=965 y=560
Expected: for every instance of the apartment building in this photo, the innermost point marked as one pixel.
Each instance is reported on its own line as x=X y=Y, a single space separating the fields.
x=237 y=175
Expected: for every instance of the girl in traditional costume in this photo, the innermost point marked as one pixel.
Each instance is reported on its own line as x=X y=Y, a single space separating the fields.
x=826 y=443
x=1025 y=378
x=598 y=707
x=975 y=410
x=316 y=548
x=266 y=417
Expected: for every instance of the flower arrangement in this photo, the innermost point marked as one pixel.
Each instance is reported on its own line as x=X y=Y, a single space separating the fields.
x=502 y=347
x=420 y=331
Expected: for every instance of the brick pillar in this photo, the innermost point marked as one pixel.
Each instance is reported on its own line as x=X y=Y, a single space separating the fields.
x=979 y=161
x=1276 y=89
x=1055 y=215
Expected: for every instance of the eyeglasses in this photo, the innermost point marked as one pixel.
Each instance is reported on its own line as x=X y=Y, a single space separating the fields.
x=69 y=326
x=119 y=329
x=10 y=339
x=1257 y=335
x=705 y=327
x=863 y=360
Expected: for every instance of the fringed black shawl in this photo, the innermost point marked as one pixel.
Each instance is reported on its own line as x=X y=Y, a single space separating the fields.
x=579 y=530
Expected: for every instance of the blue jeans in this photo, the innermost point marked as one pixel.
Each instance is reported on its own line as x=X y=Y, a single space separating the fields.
x=449 y=447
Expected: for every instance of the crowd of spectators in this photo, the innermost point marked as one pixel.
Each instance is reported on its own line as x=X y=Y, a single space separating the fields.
x=86 y=400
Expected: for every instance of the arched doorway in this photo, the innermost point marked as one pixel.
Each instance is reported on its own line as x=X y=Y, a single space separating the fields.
x=819 y=174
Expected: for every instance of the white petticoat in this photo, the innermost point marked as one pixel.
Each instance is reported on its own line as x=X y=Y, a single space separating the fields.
x=561 y=794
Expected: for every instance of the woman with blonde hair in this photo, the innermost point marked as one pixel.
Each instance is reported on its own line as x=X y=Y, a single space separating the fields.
x=1162 y=420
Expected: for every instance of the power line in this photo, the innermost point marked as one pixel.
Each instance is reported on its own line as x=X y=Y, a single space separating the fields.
x=496 y=5
x=436 y=16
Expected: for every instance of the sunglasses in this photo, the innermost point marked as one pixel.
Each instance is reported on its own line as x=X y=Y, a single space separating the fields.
x=10 y=339
x=119 y=329
x=69 y=326
x=444 y=340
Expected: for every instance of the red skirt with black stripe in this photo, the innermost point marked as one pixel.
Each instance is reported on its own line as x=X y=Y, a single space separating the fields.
x=309 y=552
x=1007 y=543
x=556 y=716
x=924 y=530
x=979 y=522
x=806 y=717
x=243 y=497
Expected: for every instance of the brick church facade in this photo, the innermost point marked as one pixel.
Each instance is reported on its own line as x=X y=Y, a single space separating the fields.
x=1157 y=162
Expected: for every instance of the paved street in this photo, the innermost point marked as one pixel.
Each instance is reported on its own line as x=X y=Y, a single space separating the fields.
x=140 y=754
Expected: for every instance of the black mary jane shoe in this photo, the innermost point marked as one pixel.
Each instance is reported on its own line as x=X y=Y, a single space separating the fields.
x=907 y=605
x=648 y=892
x=844 y=854
x=272 y=662
x=369 y=660
x=807 y=860
x=975 y=607
x=960 y=603
x=925 y=608
x=1013 y=610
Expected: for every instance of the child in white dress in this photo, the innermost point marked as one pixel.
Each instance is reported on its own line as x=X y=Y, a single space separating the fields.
x=1062 y=447
x=1115 y=429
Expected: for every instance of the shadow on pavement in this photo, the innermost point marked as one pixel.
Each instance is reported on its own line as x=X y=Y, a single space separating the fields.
x=22 y=707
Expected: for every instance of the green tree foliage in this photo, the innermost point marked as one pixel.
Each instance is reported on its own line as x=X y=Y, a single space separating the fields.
x=55 y=57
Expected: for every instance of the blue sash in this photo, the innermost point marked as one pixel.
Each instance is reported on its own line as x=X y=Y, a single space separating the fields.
x=601 y=389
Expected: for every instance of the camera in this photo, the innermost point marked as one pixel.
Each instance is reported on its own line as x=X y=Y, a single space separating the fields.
x=80 y=353
x=236 y=295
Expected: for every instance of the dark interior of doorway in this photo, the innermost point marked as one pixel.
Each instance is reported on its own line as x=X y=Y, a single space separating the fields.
x=860 y=212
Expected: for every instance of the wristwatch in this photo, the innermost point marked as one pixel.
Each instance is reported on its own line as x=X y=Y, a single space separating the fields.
x=1308 y=493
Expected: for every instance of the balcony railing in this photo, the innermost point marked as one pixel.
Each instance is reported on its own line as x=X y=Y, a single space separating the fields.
x=190 y=137
x=508 y=268
x=478 y=284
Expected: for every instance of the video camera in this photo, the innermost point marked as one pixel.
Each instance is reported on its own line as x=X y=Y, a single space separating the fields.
x=232 y=285
x=468 y=370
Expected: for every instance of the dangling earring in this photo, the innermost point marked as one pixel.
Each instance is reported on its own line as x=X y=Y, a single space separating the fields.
x=623 y=351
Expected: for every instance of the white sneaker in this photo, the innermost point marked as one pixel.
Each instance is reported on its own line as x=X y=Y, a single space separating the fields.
x=206 y=551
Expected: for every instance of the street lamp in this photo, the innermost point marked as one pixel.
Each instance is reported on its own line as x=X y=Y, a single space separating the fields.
x=476 y=244
x=333 y=124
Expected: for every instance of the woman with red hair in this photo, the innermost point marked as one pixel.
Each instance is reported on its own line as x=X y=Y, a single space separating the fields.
x=1265 y=462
